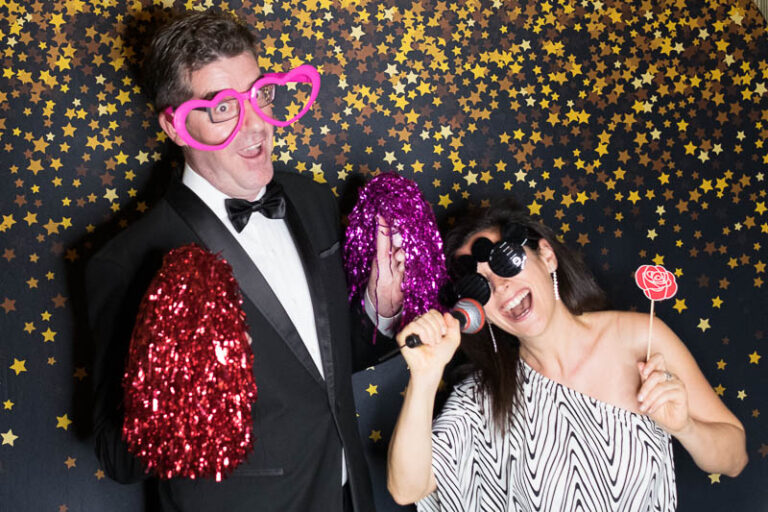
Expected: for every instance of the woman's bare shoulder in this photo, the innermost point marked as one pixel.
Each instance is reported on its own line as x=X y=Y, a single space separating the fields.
x=620 y=329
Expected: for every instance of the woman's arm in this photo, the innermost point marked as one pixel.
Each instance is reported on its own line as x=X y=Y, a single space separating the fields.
x=676 y=395
x=409 y=469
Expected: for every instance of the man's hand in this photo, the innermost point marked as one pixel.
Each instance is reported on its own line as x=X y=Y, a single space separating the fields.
x=387 y=270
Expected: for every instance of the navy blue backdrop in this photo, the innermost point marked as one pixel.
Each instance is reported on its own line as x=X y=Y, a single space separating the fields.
x=635 y=129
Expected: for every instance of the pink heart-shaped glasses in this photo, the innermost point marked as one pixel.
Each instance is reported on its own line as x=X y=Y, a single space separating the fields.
x=302 y=74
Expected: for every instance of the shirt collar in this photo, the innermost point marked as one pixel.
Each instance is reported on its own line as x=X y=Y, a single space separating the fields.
x=211 y=196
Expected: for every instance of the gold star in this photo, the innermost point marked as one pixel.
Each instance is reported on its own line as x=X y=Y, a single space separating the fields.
x=754 y=357
x=111 y=194
x=714 y=478
x=99 y=474
x=703 y=324
x=372 y=390
x=741 y=394
x=70 y=462
x=720 y=390
x=721 y=364
x=9 y=437
x=8 y=405
x=31 y=218
x=63 y=422
x=51 y=227
x=48 y=335
x=18 y=366
x=680 y=305
x=717 y=302
x=375 y=435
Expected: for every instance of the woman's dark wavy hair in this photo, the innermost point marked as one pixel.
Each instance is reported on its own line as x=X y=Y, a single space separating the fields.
x=187 y=44
x=498 y=372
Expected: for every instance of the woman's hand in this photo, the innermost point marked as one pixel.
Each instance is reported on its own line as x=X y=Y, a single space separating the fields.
x=440 y=336
x=663 y=396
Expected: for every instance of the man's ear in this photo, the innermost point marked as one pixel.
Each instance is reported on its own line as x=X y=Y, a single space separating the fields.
x=166 y=123
x=547 y=255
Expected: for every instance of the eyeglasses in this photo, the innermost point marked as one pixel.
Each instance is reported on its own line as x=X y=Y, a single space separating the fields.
x=506 y=258
x=226 y=106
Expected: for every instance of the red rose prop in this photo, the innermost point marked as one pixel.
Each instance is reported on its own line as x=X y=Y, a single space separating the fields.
x=188 y=380
x=656 y=282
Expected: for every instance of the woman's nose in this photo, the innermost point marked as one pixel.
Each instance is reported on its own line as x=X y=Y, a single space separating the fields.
x=497 y=282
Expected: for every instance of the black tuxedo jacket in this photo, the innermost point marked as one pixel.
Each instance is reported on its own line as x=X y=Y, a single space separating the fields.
x=300 y=420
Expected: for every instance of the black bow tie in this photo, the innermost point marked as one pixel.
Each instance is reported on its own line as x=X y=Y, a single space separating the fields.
x=271 y=205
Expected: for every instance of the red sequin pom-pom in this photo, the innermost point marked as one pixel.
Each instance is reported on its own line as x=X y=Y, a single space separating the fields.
x=188 y=381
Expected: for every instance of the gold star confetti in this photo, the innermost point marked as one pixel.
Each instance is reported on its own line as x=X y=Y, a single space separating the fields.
x=9 y=437
x=18 y=366
x=637 y=132
x=63 y=422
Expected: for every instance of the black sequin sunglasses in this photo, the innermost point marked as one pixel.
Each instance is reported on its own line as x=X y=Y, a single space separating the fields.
x=506 y=258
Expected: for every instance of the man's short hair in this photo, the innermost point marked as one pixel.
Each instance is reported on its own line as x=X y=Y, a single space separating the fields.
x=187 y=44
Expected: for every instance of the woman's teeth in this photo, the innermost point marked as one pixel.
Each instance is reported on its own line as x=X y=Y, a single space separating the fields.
x=517 y=300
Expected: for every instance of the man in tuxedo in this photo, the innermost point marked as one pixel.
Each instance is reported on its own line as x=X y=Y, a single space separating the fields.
x=280 y=233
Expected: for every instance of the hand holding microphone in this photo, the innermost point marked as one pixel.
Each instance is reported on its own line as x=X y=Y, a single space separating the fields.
x=468 y=313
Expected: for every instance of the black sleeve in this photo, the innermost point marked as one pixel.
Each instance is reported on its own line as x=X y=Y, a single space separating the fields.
x=113 y=298
x=368 y=344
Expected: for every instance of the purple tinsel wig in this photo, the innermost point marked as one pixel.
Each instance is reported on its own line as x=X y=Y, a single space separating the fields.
x=399 y=202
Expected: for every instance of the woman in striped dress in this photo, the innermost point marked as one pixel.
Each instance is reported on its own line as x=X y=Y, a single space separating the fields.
x=558 y=409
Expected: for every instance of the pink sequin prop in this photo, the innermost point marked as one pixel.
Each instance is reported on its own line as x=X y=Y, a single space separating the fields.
x=399 y=202
x=188 y=381
x=657 y=283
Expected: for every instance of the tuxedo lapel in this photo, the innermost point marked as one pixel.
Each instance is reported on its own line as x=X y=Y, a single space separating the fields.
x=217 y=238
x=315 y=279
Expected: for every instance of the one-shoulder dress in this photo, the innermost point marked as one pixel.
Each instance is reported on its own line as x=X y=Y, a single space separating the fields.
x=562 y=451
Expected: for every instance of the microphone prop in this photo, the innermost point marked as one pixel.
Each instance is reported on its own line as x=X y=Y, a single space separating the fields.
x=468 y=312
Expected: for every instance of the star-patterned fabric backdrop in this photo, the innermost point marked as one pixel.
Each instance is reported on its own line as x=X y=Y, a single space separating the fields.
x=635 y=129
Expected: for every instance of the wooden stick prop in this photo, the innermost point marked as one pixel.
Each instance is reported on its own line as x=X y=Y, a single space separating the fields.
x=657 y=283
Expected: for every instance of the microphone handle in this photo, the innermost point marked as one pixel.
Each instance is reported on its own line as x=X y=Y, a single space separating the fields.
x=413 y=340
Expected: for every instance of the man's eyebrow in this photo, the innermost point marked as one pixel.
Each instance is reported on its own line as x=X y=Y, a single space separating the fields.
x=211 y=94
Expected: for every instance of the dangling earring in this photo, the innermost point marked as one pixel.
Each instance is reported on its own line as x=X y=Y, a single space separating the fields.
x=554 y=283
x=493 y=337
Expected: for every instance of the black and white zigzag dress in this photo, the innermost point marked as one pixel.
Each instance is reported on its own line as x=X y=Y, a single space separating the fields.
x=564 y=451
